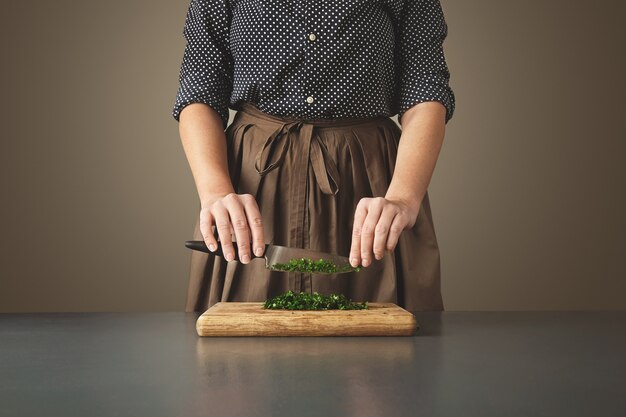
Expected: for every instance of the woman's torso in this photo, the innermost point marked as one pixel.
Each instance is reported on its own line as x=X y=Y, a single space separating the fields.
x=315 y=59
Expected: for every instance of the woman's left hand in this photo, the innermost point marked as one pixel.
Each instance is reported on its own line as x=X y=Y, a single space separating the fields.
x=378 y=223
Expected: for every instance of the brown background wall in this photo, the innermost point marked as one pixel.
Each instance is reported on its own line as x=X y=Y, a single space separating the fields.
x=97 y=197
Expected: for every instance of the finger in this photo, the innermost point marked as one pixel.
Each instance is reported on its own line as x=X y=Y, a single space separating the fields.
x=206 y=229
x=255 y=220
x=359 y=217
x=240 y=225
x=395 y=229
x=382 y=230
x=374 y=210
x=222 y=222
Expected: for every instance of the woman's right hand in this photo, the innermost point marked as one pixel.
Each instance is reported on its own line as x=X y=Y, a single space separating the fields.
x=232 y=212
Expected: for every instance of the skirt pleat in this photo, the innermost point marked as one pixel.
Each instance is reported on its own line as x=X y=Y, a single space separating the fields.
x=308 y=199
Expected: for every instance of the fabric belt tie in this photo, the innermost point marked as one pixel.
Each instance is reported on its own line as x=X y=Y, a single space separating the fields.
x=324 y=166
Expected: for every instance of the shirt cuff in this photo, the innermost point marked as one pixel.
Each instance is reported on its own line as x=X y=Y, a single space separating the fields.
x=215 y=101
x=421 y=92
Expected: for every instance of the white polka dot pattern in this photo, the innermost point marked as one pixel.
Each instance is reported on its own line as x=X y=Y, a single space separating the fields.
x=315 y=58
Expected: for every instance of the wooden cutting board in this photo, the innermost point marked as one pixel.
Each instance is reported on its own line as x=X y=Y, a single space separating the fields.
x=251 y=319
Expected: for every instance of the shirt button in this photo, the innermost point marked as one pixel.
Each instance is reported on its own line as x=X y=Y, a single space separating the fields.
x=309 y=99
x=312 y=36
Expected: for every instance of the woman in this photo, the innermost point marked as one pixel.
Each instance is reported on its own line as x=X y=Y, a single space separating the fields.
x=312 y=158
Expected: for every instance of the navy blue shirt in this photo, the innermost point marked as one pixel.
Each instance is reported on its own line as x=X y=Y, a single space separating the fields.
x=315 y=58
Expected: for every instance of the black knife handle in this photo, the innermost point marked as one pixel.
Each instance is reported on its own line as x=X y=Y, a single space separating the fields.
x=201 y=246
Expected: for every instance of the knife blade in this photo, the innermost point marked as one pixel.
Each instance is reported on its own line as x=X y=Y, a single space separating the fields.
x=276 y=254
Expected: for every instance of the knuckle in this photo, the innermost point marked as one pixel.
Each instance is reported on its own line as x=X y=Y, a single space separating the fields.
x=219 y=210
x=239 y=223
x=381 y=228
x=221 y=224
x=357 y=232
x=257 y=221
x=396 y=229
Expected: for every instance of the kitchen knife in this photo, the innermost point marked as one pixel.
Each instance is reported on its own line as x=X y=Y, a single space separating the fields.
x=275 y=254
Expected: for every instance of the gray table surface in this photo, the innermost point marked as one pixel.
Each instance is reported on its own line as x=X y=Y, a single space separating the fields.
x=458 y=364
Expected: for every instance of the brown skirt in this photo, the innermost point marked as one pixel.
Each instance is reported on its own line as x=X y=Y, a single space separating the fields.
x=307 y=177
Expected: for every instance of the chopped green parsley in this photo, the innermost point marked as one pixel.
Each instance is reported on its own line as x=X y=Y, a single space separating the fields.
x=304 y=301
x=311 y=266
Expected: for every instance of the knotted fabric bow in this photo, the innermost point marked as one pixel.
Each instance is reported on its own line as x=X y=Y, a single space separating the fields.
x=324 y=166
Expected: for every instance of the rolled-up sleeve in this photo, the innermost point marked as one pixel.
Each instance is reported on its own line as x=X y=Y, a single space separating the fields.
x=206 y=72
x=423 y=73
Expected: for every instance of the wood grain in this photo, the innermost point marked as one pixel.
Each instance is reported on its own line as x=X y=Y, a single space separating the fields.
x=251 y=319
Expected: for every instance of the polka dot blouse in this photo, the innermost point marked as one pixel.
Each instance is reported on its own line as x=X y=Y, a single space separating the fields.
x=315 y=58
